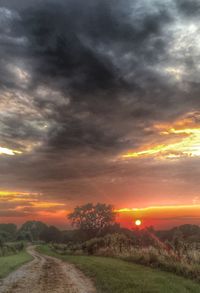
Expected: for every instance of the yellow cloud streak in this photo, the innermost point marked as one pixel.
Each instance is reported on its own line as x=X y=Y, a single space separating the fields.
x=186 y=144
x=9 y=152
x=151 y=151
x=171 y=207
x=162 y=211
x=15 y=193
x=27 y=197
x=46 y=205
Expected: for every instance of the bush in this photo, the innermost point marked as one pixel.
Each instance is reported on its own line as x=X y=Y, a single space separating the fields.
x=11 y=248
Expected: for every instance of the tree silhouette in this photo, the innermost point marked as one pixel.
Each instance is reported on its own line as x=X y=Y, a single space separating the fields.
x=92 y=218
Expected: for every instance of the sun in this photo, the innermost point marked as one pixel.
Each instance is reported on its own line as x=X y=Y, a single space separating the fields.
x=138 y=222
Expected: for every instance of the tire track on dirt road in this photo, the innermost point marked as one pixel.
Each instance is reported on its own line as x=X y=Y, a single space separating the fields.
x=46 y=275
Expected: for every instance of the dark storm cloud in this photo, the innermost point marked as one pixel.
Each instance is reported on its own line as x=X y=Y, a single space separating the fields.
x=85 y=56
x=83 y=81
x=68 y=46
x=189 y=8
x=74 y=44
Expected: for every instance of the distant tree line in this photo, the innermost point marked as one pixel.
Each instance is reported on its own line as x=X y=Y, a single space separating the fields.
x=30 y=231
x=89 y=221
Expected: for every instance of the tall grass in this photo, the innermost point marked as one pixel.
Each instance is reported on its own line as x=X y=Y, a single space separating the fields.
x=11 y=248
x=182 y=259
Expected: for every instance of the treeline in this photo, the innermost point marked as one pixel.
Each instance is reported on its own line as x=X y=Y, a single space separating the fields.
x=7 y=232
x=8 y=243
x=95 y=221
x=34 y=231
x=31 y=231
x=188 y=233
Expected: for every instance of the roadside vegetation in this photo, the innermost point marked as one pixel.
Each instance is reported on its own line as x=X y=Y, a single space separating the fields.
x=120 y=246
x=12 y=252
x=8 y=240
x=112 y=275
x=12 y=262
x=11 y=248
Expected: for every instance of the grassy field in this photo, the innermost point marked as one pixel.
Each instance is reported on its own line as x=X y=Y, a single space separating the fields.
x=117 y=276
x=12 y=262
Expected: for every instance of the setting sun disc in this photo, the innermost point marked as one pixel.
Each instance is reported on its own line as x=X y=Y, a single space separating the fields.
x=138 y=222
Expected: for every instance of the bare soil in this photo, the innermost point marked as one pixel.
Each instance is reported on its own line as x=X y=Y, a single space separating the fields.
x=46 y=275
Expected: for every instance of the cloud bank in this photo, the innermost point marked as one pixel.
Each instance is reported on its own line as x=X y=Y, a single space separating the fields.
x=84 y=82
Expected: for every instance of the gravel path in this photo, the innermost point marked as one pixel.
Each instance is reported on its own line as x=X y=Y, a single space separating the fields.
x=46 y=275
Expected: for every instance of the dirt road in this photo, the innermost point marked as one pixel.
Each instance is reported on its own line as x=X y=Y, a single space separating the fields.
x=46 y=275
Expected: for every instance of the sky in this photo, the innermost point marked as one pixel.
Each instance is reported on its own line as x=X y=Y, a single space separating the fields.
x=99 y=102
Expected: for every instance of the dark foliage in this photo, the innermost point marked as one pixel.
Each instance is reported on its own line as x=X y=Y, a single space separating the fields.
x=92 y=219
x=51 y=234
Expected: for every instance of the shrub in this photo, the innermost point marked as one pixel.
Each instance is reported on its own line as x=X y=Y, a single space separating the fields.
x=11 y=248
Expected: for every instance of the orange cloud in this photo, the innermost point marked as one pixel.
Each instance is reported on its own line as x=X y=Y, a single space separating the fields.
x=179 y=139
x=26 y=206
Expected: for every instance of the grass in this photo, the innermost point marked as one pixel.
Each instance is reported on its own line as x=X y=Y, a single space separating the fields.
x=12 y=262
x=117 y=276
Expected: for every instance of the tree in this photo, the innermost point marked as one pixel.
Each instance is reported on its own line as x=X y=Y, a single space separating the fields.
x=32 y=230
x=51 y=234
x=92 y=218
x=9 y=228
x=8 y=232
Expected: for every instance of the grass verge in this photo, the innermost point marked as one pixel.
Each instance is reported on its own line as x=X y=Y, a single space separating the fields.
x=12 y=262
x=117 y=276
